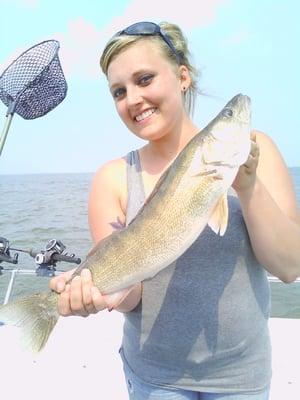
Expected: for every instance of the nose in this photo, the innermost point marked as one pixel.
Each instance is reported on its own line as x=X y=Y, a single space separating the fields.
x=133 y=96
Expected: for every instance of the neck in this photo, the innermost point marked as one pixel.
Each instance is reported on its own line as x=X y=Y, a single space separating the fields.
x=157 y=155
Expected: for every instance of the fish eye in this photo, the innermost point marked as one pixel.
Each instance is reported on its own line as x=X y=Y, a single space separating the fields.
x=227 y=112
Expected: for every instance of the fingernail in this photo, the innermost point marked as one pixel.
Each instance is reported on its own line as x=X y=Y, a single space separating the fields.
x=85 y=273
x=94 y=292
x=60 y=286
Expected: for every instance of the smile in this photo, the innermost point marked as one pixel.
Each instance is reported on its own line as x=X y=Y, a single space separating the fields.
x=145 y=114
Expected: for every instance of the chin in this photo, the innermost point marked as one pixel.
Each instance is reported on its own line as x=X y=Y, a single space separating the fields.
x=150 y=134
x=150 y=137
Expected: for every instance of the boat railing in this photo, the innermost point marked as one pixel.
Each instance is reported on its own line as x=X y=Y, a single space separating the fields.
x=277 y=280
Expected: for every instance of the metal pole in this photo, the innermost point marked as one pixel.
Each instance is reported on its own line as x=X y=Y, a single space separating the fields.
x=10 y=285
x=5 y=131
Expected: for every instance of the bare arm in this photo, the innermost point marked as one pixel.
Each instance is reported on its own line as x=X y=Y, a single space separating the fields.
x=106 y=214
x=269 y=207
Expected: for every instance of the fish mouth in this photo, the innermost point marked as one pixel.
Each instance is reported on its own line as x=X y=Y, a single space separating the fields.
x=145 y=114
x=240 y=107
x=239 y=99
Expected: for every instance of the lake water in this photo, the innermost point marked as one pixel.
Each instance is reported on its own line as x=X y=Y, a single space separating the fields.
x=37 y=208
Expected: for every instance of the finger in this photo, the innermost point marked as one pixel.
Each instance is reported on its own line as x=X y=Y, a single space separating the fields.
x=58 y=283
x=68 y=274
x=53 y=283
x=254 y=151
x=98 y=300
x=251 y=164
x=76 y=300
x=64 y=307
x=253 y=136
x=87 y=283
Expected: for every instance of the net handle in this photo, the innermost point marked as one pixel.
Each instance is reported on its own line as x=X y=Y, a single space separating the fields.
x=9 y=117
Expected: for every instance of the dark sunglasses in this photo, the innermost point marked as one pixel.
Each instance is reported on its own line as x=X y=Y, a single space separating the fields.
x=149 y=29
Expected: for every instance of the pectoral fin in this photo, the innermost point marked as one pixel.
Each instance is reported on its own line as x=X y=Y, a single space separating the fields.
x=206 y=160
x=196 y=166
x=219 y=218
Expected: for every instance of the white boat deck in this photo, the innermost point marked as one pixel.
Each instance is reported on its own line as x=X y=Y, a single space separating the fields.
x=81 y=361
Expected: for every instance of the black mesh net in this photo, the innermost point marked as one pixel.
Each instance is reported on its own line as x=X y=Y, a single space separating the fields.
x=34 y=83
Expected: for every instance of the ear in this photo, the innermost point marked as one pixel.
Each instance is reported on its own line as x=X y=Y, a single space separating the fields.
x=185 y=78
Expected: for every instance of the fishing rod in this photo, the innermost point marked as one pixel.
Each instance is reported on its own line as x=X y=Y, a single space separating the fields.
x=45 y=259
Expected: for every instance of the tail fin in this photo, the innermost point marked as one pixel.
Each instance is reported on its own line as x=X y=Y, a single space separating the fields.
x=35 y=315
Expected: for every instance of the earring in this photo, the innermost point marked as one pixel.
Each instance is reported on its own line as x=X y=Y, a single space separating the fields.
x=183 y=88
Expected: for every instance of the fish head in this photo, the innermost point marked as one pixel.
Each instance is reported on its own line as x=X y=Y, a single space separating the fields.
x=229 y=133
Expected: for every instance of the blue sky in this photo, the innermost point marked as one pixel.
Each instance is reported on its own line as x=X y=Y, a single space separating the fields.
x=243 y=46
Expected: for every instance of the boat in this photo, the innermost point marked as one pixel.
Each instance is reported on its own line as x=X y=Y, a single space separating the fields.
x=81 y=358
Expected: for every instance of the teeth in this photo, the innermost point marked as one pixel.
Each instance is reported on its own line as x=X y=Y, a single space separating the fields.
x=145 y=114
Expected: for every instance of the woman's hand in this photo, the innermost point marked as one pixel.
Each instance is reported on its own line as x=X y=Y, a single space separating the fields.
x=80 y=296
x=246 y=176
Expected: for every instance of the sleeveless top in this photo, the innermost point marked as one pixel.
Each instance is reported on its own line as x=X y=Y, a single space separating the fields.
x=202 y=323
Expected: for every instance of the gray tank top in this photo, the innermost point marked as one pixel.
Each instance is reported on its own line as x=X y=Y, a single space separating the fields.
x=202 y=323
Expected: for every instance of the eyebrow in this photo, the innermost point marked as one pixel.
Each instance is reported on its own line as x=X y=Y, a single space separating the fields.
x=134 y=75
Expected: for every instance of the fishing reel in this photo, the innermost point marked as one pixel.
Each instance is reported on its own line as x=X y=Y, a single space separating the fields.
x=5 y=253
x=48 y=258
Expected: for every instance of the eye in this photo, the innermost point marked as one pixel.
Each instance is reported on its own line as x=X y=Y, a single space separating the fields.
x=227 y=112
x=119 y=92
x=144 y=80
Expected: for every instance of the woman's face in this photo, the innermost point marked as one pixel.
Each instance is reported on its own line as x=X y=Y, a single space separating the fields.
x=147 y=91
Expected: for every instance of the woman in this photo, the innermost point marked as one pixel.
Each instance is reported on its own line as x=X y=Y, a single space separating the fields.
x=198 y=329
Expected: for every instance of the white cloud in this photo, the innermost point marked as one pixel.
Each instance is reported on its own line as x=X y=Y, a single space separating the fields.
x=82 y=42
x=188 y=14
x=80 y=48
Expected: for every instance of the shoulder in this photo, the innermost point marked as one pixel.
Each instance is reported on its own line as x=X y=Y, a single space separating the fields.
x=274 y=174
x=272 y=166
x=111 y=178
x=111 y=169
x=270 y=155
x=264 y=140
x=108 y=198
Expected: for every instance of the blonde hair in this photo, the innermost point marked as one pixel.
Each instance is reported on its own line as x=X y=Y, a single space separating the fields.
x=117 y=44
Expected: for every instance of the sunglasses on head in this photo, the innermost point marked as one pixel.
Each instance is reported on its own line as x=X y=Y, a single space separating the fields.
x=149 y=29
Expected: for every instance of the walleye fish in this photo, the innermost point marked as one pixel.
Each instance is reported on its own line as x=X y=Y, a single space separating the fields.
x=190 y=194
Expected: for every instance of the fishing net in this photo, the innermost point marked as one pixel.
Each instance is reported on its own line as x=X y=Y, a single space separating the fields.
x=34 y=83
